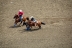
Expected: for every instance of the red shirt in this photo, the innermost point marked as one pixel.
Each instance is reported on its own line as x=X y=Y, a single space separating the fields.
x=20 y=13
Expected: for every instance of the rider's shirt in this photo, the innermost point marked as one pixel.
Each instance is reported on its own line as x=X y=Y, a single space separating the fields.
x=20 y=13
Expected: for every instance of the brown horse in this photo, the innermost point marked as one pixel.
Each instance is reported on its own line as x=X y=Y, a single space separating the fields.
x=17 y=19
x=30 y=23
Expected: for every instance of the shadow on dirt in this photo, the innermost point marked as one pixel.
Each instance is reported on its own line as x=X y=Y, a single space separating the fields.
x=32 y=29
x=14 y=26
x=24 y=30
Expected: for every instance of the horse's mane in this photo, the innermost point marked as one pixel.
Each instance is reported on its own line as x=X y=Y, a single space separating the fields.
x=16 y=16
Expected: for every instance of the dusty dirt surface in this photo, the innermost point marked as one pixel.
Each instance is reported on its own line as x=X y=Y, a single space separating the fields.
x=57 y=33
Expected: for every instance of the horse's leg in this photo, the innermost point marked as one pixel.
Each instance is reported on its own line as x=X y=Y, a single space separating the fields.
x=31 y=26
x=24 y=23
x=21 y=20
x=35 y=24
x=15 y=24
x=20 y=23
x=39 y=26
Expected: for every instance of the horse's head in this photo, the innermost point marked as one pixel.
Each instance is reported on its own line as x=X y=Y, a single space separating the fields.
x=28 y=21
x=27 y=18
x=16 y=16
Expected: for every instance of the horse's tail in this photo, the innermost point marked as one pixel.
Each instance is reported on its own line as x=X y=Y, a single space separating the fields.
x=43 y=23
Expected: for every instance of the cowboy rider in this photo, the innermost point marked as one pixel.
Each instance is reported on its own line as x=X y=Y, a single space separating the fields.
x=33 y=19
x=20 y=13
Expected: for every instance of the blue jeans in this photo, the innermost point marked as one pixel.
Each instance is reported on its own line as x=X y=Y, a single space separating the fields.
x=20 y=17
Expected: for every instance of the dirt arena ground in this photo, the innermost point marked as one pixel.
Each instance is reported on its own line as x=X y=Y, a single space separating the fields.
x=57 y=33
